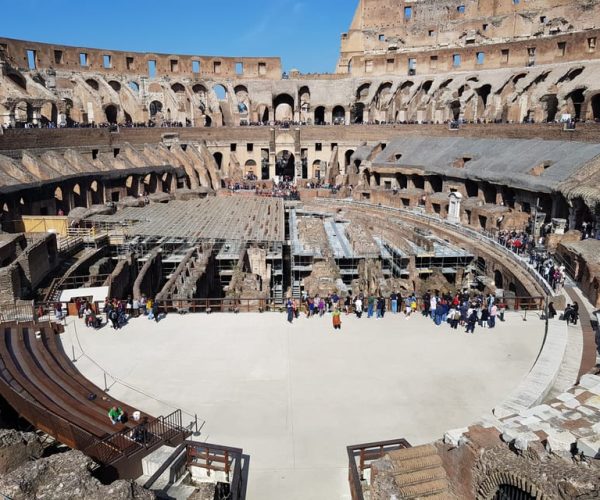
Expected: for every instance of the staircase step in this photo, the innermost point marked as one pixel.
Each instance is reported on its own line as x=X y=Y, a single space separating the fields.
x=424 y=489
x=414 y=452
x=421 y=476
x=417 y=464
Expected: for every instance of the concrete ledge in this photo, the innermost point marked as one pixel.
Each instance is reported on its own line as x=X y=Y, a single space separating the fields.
x=536 y=386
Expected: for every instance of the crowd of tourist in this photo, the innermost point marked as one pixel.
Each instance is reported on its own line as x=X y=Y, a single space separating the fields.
x=465 y=309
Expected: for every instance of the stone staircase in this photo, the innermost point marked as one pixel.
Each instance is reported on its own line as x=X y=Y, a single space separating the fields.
x=419 y=473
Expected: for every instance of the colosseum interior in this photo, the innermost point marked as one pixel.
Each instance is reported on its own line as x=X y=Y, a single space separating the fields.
x=220 y=184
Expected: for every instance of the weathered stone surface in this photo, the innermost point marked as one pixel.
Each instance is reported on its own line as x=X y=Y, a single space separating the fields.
x=65 y=475
x=17 y=448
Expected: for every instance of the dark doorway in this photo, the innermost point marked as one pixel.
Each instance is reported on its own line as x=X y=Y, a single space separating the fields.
x=285 y=165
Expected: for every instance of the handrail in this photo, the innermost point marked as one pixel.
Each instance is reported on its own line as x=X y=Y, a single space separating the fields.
x=367 y=453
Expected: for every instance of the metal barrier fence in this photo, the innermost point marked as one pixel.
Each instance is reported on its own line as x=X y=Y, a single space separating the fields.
x=360 y=458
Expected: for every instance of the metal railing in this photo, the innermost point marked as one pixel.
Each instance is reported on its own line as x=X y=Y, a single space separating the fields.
x=217 y=458
x=360 y=458
x=146 y=434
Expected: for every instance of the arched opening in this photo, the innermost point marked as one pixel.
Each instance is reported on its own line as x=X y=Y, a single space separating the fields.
x=304 y=96
x=367 y=177
x=576 y=99
x=498 y=279
x=207 y=121
x=483 y=93
x=263 y=113
x=78 y=197
x=508 y=491
x=92 y=83
x=18 y=80
x=111 y=113
x=320 y=115
x=242 y=98
x=250 y=170
x=551 y=103
x=134 y=86
x=155 y=108
x=218 y=159
x=596 y=107
x=455 y=110
x=23 y=113
x=96 y=194
x=49 y=113
x=489 y=193
x=316 y=170
x=357 y=113
x=339 y=115
x=150 y=183
x=348 y=157
x=362 y=92
x=512 y=288
x=285 y=165
x=116 y=86
x=283 y=105
x=221 y=92
x=59 y=202
x=178 y=88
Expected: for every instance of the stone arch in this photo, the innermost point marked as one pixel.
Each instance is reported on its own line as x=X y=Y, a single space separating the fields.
x=155 y=108
x=242 y=98
x=483 y=92
x=111 y=113
x=357 y=114
x=285 y=165
x=575 y=100
x=178 y=88
x=18 y=80
x=283 y=106
x=362 y=92
x=250 y=168
x=263 y=113
x=49 y=113
x=455 y=109
x=59 y=201
x=23 y=112
x=338 y=115
x=498 y=279
x=218 y=156
x=116 y=86
x=199 y=89
x=134 y=86
x=78 y=196
x=348 y=157
x=220 y=91
x=499 y=483
x=551 y=103
x=316 y=170
x=320 y=115
x=93 y=84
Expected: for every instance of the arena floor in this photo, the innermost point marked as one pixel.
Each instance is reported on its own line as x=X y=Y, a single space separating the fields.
x=294 y=396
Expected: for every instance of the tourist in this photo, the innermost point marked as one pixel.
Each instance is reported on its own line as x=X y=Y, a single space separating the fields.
x=551 y=311
x=290 y=310
x=492 y=317
x=347 y=303
x=336 y=319
x=394 y=302
x=472 y=321
x=135 y=307
x=116 y=415
x=358 y=306
x=370 y=305
x=380 y=307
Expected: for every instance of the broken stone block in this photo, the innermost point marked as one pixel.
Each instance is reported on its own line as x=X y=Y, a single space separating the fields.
x=453 y=436
x=588 y=381
x=589 y=446
x=560 y=442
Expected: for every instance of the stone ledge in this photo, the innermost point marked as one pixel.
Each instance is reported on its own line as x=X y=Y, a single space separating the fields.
x=536 y=385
